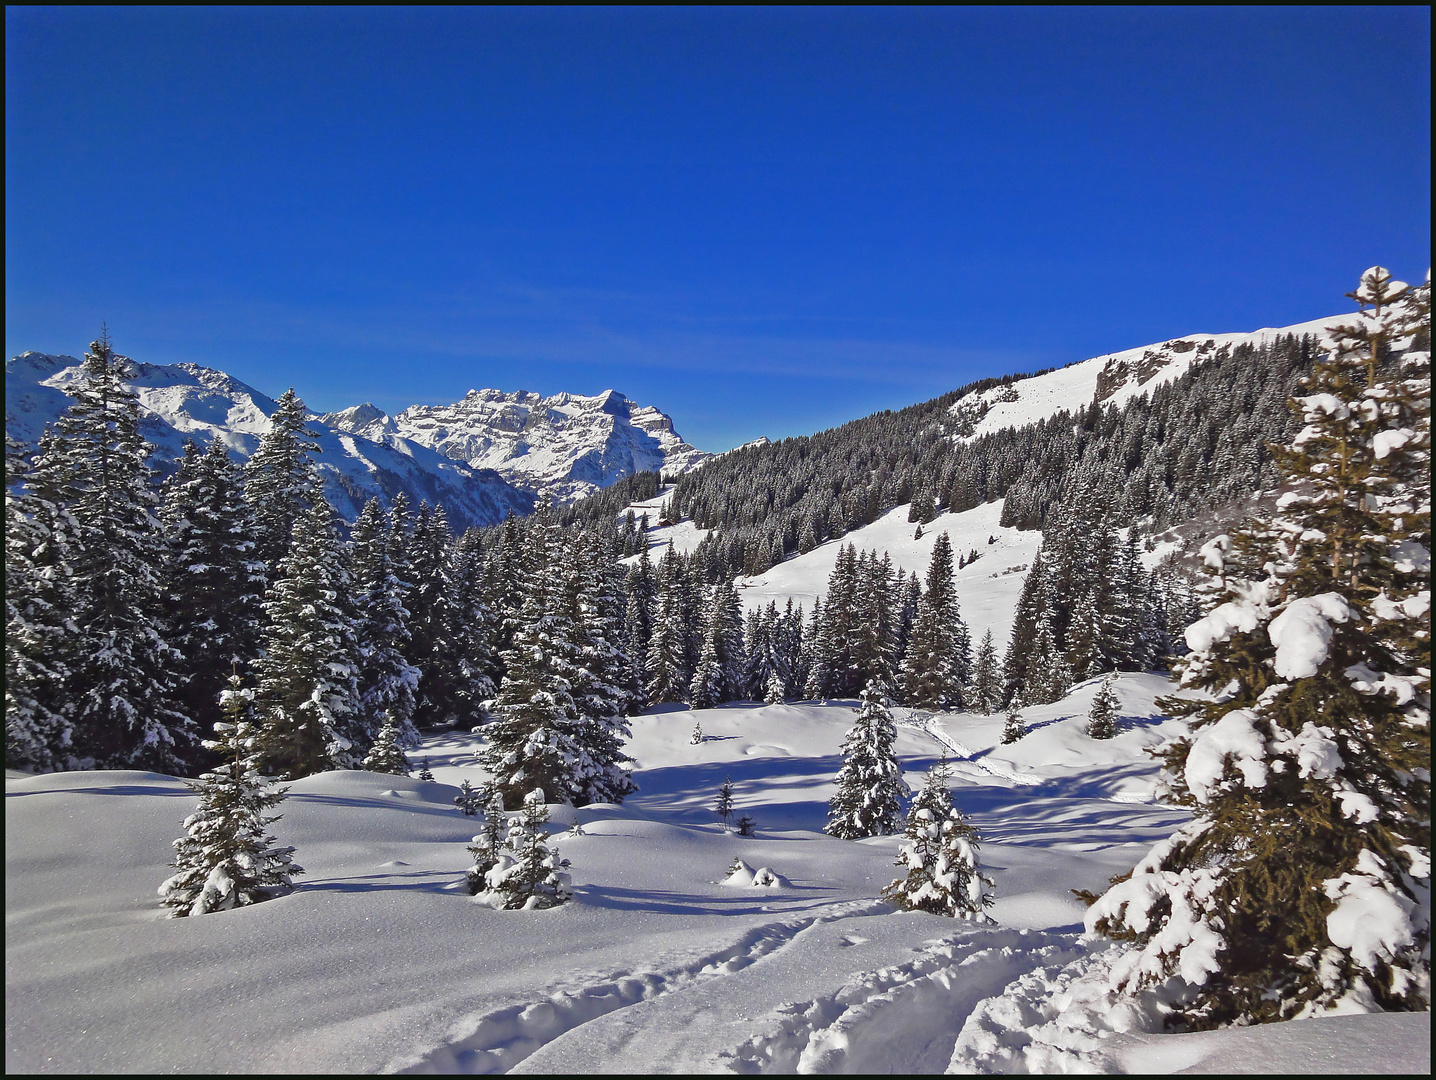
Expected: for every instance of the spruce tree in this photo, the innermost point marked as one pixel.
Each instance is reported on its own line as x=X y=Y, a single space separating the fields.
x=40 y=638
x=279 y=478
x=533 y=876
x=386 y=755
x=665 y=678
x=122 y=678
x=1014 y=727
x=931 y=670
x=869 y=784
x=228 y=859
x=1300 y=883
x=539 y=735
x=386 y=682
x=723 y=805
x=939 y=856
x=985 y=695
x=488 y=846
x=308 y=693
x=1102 y=718
x=213 y=580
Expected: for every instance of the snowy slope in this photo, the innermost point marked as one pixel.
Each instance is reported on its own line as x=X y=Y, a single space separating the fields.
x=186 y=401
x=1113 y=378
x=381 y=961
x=567 y=445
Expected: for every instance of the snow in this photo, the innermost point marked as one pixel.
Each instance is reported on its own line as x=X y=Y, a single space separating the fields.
x=380 y=960
x=1302 y=633
x=987 y=589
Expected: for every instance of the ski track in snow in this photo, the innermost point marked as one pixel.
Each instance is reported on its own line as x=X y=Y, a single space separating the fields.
x=905 y=1018
x=501 y=1039
x=966 y=756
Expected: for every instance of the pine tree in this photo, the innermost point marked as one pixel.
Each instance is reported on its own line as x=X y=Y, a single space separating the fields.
x=1102 y=718
x=595 y=601
x=1029 y=613
x=932 y=669
x=985 y=695
x=940 y=856
x=121 y=680
x=1300 y=882
x=279 y=478
x=228 y=859
x=308 y=693
x=214 y=583
x=386 y=682
x=1014 y=727
x=723 y=805
x=538 y=734
x=386 y=756
x=668 y=645
x=40 y=638
x=869 y=784
x=488 y=846
x=469 y=799
x=534 y=876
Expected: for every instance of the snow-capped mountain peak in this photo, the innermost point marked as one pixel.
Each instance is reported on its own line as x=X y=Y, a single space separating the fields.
x=569 y=445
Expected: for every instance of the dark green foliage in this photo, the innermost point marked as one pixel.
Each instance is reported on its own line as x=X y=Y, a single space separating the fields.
x=228 y=859
x=1300 y=882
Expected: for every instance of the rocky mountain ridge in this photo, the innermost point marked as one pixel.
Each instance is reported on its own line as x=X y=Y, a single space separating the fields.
x=567 y=445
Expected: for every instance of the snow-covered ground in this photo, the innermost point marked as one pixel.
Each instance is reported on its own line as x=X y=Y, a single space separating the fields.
x=381 y=961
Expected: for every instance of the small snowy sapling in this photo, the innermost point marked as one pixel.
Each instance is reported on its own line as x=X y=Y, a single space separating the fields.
x=1102 y=720
x=723 y=805
x=469 y=799
x=940 y=857
x=228 y=860
x=746 y=825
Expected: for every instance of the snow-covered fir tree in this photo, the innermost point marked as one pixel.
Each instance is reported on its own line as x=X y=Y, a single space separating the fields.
x=214 y=582
x=228 y=859
x=469 y=800
x=939 y=855
x=488 y=846
x=1014 y=727
x=529 y=875
x=985 y=692
x=594 y=595
x=1102 y=717
x=541 y=734
x=279 y=478
x=666 y=677
x=870 y=787
x=40 y=637
x=308 y=694
x=387 y=755
x=387 y=683
x=122 y=679
x=1301 y=882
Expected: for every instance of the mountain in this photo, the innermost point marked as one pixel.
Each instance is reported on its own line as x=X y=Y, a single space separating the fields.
x=186 y=401
x=1110 y=379
x=567 y=445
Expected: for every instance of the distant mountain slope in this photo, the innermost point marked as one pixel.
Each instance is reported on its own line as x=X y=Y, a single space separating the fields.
x=186 y=401
x=567 y=445
x=1111 y=379
x=1159 y=433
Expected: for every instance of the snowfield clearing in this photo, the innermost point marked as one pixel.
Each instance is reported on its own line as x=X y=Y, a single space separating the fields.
x=380 y=961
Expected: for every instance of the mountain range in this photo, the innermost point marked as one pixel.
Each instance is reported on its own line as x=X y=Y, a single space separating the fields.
x=481 y=457
x=496 y=451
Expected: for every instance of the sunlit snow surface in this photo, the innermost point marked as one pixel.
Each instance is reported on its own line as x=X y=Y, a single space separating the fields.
x=381 y=961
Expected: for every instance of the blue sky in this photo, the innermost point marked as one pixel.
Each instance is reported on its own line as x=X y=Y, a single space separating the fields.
x=765 y=222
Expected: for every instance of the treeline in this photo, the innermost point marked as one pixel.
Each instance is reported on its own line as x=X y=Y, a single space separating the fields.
x=1197 y=442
